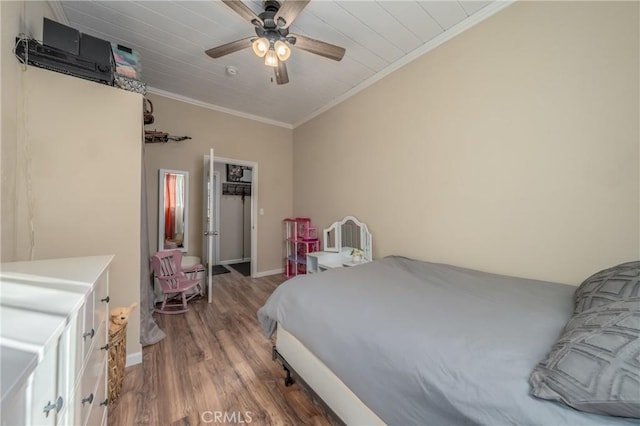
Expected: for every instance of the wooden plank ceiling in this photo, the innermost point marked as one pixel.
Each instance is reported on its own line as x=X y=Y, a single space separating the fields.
x=171 y=37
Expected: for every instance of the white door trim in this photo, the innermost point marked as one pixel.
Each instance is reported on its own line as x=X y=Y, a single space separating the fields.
x=216 y=224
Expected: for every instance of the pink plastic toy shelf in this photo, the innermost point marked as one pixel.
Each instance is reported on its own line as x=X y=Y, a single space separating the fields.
x=300 y=238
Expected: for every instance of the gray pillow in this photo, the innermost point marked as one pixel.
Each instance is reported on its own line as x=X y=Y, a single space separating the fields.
x=595 y=364
x=610 y=285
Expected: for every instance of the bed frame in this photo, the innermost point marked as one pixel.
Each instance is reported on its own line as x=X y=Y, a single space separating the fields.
x=333 y=394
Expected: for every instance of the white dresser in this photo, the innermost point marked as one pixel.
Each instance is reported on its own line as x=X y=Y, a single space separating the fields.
x=53 y=341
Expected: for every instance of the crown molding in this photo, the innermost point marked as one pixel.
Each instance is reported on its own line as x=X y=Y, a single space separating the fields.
x=218 y=108
x=447 y=35
x=58 y=11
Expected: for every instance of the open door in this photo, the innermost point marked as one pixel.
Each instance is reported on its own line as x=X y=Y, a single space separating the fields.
x=209 y=220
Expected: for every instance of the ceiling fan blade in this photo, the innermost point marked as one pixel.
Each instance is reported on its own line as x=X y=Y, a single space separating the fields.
x=225 y=49
x=282 y=76
x=288 y=12
x=318 y=47
x=244 y=11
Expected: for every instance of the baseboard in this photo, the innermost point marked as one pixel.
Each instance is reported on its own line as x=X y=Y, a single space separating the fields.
x=134 y=359
x=267 y=273
x=232 y=261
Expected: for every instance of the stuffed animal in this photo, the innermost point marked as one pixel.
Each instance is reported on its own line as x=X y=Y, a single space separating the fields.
x=119 y=318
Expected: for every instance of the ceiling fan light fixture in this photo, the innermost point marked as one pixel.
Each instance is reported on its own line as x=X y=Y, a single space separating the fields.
x=282 y=50
x=272 y=40
x=260 y=46
x=271 y=59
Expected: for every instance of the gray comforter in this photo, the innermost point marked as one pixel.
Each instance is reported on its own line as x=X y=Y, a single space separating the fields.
x=430 y=344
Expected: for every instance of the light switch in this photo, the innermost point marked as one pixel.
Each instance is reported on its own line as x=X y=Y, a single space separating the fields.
x=261 y=212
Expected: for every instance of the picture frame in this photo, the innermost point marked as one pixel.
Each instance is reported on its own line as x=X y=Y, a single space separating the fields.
x=241 y=174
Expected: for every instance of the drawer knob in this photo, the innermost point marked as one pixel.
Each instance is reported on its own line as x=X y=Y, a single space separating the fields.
x=105 y=300
x=53 y=406
x=88 y=399
x=105 y=402
x=90 y=333
x=105 y=347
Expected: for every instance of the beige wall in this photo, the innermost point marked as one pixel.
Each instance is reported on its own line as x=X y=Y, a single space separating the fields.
x=513 y=148
x=231 y=137
x=78 y=180
x=58 y=165
x=26 y=18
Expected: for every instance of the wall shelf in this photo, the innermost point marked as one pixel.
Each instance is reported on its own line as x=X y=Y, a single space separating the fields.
x=232 y=188
x=152 y=136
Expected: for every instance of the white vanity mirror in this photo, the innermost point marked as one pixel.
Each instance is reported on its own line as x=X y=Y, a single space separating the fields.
x=346 y=235
x=173 y=202
x=330 y=239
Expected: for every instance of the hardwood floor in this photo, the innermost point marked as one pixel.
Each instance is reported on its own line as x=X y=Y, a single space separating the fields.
x=214 y=367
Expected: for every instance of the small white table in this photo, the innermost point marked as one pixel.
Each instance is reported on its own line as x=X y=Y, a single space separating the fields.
x=319 y=261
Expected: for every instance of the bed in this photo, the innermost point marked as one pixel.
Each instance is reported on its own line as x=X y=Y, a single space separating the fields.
x=399 y=341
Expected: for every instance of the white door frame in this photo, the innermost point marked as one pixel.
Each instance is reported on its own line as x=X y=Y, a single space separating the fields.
x=216 y=214
x=254 y=207
x=209 y=218
x=216 y=224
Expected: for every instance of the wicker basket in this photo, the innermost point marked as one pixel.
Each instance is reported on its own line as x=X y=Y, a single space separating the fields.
x=117 y=358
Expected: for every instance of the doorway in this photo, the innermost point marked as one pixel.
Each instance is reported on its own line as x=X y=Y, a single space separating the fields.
x=235 y=202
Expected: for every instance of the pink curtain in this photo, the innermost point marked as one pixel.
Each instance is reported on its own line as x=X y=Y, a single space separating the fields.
x=170 y=207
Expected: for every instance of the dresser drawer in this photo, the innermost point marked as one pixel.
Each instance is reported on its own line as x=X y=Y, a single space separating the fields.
x=99 y=407
x=42 y=391
x=88 y=331
x=91 y=413
x=69 y=356
x=14 y=410
x=95 y=312
x=94 y=368
x=101 y=299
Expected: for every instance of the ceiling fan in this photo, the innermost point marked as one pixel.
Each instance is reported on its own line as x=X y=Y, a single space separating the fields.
x=273 y=40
